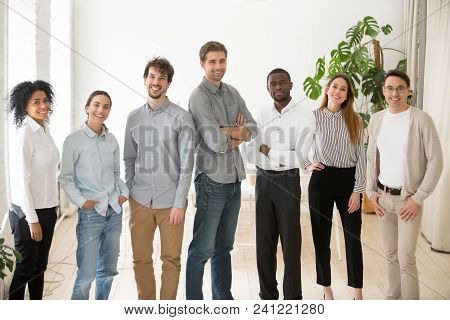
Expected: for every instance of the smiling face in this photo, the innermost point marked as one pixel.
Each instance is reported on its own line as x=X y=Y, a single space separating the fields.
x=156 y=82
x=38 y=107
x=98 y=110
x=337 y=92
x=215 y=66
x=396 y=92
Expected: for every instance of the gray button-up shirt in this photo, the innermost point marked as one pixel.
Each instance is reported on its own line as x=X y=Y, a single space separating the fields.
x=159 y=155
x=212 y=108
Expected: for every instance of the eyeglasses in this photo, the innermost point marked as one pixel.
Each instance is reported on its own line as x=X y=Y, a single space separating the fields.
x=400 y=89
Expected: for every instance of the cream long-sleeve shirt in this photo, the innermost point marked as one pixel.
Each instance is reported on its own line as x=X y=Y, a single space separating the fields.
x=424 y=160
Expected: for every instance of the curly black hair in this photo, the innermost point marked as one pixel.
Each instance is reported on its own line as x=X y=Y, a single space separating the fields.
x=21 y=94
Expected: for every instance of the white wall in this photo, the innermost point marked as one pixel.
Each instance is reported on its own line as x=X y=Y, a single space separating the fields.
x=3 y=123
x=114 y=39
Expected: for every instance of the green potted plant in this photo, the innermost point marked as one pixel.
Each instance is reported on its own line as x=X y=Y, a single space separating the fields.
x=361 y=57
x=7 y=257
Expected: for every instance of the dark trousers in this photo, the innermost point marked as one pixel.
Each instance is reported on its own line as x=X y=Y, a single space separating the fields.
x=326 y=187
x=34 y=254
x=278 y=216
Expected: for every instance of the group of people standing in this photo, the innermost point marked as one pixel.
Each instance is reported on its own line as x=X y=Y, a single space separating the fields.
x=404 y=163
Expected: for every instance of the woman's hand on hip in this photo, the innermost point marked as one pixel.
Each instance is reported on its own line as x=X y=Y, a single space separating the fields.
x=315 y=166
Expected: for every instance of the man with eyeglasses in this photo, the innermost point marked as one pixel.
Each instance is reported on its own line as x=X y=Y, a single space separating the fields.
x=404 y=164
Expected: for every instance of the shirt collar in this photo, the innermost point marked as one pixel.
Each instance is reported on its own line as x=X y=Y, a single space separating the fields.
x=90 y=133
x=213 y=88
x=291 y=104
x=34 y=126
x=330 y=114
x=161 y=108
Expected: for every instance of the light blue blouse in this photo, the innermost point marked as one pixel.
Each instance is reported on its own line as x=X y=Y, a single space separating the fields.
x=90 y=169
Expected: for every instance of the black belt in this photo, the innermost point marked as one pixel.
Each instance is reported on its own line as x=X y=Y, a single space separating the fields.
x=290 y=171
x=391 y=191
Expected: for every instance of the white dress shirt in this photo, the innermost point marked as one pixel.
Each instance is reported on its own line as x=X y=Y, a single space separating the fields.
x=34 y=172
x=288 y=134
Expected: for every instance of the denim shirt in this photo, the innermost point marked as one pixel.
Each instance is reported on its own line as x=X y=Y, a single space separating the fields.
x=90 y=169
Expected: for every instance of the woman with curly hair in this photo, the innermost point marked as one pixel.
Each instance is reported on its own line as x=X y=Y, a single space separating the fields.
x=34 y=191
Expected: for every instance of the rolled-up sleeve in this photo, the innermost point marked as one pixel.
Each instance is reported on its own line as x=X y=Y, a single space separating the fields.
x=250 y=123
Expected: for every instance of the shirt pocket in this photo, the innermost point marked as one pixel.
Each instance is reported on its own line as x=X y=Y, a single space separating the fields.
x=232 y=111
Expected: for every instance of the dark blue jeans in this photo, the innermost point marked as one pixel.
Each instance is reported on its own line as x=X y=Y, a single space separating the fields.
x=215 y=225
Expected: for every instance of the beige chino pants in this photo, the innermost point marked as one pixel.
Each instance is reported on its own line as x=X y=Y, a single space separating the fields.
x=143 y=223
x=400 y=243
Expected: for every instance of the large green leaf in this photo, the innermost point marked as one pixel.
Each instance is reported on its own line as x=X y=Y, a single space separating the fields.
x=370 y=27
x=360 y=59
x=401 y=65
x=10 y=264
x=334 y=54
x=18 y=255
x=386 y=29
x=312 y=88
x=334 y=67
x=354 y=35
x=365 y=117
x=372 y=81
x=320 y=69
x=344 y=51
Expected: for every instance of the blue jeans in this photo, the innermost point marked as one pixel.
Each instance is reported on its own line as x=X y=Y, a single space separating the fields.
x=97 y=252
x=214 y=229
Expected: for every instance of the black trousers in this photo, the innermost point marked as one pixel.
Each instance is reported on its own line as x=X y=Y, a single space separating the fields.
x=278 y=216
x=326 y=187
x=34 y=254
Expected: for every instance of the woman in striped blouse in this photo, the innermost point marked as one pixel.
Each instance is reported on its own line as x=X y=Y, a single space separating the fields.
x=338 y=176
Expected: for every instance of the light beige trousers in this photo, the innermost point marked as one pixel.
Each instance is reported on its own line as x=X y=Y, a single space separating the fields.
x=400 y=243
x=143 y=223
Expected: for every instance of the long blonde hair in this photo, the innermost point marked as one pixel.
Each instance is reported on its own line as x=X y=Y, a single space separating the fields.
x=351 y=118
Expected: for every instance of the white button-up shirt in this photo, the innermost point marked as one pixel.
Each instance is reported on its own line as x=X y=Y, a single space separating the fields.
x=34 y=172
x=288 y=134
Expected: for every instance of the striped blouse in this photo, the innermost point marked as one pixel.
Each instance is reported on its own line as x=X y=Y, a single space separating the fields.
x=332 y=146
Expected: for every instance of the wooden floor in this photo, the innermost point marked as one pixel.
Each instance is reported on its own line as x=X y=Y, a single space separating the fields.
x=434 y=268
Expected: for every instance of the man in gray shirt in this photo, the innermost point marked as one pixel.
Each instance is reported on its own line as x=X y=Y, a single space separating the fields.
x=158 y=155
x=223 y=122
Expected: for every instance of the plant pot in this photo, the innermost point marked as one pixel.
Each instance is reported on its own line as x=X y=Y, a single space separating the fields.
x=366 y=204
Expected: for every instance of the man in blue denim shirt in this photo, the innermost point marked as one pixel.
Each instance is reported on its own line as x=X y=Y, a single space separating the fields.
x=223 y=122
x=159 y=157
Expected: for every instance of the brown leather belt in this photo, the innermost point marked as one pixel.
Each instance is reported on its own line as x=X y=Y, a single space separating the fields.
x=391 y=191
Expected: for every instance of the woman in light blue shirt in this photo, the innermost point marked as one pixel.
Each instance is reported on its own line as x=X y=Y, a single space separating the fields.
x=90 y=175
